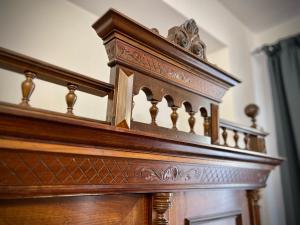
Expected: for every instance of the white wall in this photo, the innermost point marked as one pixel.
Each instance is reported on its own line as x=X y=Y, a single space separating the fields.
x=60 y=33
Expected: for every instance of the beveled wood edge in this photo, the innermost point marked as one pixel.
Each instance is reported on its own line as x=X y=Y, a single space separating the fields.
x=17 y=192
x=194 y=149
x=19 y=63
x=40 y=113
x=242 y=128
x=171 y=134
x=113 y=21
x=39 y=146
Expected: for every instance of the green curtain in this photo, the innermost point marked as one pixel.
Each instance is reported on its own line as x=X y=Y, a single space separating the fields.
x=284 y=69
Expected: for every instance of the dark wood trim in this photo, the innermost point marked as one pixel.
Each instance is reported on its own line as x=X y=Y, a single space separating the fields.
x=20 y=63
x=41 y=125
x=114 y=21
x=242 y=128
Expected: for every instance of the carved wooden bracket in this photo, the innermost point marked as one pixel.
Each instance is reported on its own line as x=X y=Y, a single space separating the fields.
x=161 y=203
x=187 y=36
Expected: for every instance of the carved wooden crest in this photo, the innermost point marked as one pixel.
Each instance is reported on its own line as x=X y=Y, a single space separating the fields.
x=187 y=36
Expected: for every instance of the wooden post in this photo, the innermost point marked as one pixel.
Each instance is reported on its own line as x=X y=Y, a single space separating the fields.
x=119 y=106
x=214 y=123
x=253 y=198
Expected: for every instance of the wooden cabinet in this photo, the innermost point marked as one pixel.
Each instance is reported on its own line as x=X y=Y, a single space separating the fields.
x=59 y=168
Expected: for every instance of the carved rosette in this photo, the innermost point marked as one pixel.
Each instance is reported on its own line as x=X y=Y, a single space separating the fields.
x=187 y=36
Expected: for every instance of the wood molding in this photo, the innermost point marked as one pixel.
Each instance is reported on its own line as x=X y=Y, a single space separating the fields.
x=114 y=22
x=56 y=171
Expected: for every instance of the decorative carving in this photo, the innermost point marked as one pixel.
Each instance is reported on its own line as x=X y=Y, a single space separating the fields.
x=27 y=88
x=165 y=70
x=187 y=36
x=71 y=98
x=161 y=203
x=37 y=168
x=111 y=49
x=198 y=174
x=155 y=30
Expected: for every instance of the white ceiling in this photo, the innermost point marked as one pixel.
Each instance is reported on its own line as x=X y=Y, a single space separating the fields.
x=260 y=15
x=154 y=13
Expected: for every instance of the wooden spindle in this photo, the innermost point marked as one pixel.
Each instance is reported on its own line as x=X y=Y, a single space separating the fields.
x=236 y=138
x=192 y=121
x=246 y=140
x=224 y=135
x=27 y=88
x=153 y=112
x=71 y=98
x=174 y=117
x=161 y=203
x=206 y=125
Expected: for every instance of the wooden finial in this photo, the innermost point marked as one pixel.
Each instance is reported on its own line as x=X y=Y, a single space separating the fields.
x=71 y=98
x=161 y=203
x=252 y=111
x=27 y=88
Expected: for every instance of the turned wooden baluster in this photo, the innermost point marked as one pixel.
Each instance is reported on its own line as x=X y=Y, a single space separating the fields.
x=192 y=121
x=153 y=112
x=246 y=139
x=132 y=106
x=236 y=138
x=161 y=203
x=174 y=117
x=27 y=88
x=206 y=125
x=71 y=98
x=224 y=135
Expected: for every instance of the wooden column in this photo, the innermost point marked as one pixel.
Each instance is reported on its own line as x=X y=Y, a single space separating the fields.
x=119 y=106
x=254 y=213
x=161 y=203
x=214 y=123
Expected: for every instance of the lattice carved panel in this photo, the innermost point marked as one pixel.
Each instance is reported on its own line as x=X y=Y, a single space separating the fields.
x=37 y=168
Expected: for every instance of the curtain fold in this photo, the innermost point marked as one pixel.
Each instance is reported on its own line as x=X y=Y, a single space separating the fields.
x=284 y=68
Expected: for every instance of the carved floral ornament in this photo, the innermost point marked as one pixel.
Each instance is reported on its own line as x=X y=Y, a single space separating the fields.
x=187 y=36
